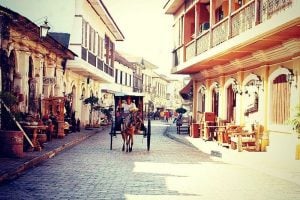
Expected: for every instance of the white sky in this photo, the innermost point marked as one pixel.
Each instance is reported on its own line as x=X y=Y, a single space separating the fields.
x=147 y=30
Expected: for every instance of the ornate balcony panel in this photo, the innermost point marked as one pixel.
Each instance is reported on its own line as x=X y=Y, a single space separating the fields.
x=178 y=56
x=106 y=68
x=92 y=59
x=243 y=20
x=270 y=7
x=100 y=64
x=220 y=32
x=190 y=50
x=83 y=53
x=202 y=43
x=111 y=71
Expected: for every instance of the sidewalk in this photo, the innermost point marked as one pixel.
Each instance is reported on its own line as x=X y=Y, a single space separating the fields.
x=262 y=161
x=11 y=168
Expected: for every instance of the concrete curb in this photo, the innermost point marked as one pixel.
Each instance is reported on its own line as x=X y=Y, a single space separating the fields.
x=16 y=172
x=171 y=136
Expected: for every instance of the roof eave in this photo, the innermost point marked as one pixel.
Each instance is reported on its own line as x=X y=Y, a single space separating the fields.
x=99 y=7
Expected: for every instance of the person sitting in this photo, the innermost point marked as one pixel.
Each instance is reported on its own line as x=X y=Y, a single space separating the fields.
x=129 y=106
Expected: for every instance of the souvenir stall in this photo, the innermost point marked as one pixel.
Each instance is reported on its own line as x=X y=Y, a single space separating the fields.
x=53 y=109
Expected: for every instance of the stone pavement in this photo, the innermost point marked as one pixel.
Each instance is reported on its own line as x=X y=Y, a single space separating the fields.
x=279 y=167
x=11 y=168
x=274 y=165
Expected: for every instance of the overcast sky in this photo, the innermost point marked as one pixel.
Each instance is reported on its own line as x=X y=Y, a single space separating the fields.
x=146 y=28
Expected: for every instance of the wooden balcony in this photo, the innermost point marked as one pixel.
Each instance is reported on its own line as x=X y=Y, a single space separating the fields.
x=92 y=66
x=234 y=28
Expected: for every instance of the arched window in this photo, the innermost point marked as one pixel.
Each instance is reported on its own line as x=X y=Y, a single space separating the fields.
x=281 y=94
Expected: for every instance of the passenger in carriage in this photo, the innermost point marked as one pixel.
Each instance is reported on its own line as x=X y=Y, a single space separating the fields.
x=129 y=105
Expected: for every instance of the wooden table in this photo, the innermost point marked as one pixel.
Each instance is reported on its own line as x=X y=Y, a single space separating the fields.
x=35 y=129
x=208 y=132
x=244 y=138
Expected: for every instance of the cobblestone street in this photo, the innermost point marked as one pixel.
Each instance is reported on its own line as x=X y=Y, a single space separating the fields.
x=170 y=170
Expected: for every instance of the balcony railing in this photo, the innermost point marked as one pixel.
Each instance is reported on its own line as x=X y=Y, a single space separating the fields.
x=190 y=50
x=220 y=32
x=270 y=7
x=178 y=56
x=241 y=20
x=95 y=61
x=202 y=43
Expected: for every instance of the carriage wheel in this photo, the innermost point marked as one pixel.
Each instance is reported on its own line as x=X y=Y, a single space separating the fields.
x=148 y=134
x=112 y=132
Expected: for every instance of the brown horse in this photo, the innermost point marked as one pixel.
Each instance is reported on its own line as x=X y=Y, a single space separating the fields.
x=132 y=124
x=127 y=136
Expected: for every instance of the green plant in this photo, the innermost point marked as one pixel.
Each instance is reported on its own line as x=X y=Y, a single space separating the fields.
x=181 y=110
x=91 y=100
x=9 y=99
x=8 y=111
x=295 y=121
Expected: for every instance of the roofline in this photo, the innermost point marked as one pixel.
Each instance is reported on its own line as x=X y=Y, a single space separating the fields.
x=121 y=36
x=166 y=4
x=36 y=29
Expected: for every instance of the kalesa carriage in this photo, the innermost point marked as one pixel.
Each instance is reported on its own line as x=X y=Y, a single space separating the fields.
x=129 y=120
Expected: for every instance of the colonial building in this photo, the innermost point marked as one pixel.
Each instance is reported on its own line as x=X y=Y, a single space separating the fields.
x=174 y=100
x=123 y=80
x=33 y=66
x=88 y=29
x=243 y=59
x=160 y=84
x=148 y=87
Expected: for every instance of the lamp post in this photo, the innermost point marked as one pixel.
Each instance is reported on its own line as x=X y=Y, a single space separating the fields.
x=44 y=28
x=151 y=95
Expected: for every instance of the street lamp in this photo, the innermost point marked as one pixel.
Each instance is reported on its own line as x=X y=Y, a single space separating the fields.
x=290 y=76
x=44 y=28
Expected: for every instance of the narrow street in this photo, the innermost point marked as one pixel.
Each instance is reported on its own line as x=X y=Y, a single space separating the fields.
x=170 y=170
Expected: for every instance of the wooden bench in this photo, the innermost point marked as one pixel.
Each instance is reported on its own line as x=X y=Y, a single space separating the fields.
x=183 y=126
x=247 y=139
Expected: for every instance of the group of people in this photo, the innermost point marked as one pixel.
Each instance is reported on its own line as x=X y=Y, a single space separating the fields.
x=126 y=112
x=162 y=115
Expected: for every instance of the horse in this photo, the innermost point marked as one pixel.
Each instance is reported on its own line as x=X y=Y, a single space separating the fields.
x=131 y=125
x=127 y=136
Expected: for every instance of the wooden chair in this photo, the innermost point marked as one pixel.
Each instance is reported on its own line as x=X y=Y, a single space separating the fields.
x=222 y=136
x=183 y=126
x=208 y=121
x=248 y=140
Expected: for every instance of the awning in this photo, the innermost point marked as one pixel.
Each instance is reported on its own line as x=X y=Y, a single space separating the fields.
x=108 y=91
x=121 y=94
x=187 y=92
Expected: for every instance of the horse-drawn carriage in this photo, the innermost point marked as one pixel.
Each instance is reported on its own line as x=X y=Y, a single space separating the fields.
x=129 y=119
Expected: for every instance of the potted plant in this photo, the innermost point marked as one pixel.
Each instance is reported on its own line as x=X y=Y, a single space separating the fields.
x=92 y=100
x=295 y=121
x=11 y=138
